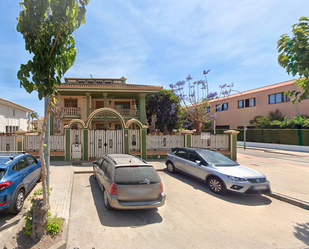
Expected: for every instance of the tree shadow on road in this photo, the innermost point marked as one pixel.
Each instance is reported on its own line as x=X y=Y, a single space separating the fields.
x=121 y=218
x=242 y=199
x=302 y=232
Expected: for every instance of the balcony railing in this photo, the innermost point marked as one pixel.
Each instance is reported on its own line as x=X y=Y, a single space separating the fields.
x=123 y=112
x=72 y=111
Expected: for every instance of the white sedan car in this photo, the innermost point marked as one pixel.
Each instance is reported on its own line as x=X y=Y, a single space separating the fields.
x=220 y=173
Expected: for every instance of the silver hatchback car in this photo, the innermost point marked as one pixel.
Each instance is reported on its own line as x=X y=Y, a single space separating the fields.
x=128 y=182
x=220 y=173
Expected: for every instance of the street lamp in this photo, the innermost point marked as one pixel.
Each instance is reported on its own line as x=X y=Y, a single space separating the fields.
x=245 y=128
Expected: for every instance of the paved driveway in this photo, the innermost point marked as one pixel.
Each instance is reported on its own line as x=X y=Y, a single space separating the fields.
x=193 y=217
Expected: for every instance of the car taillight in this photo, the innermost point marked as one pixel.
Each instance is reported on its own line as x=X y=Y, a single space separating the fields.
x=5 y=185
x=166 y=155
x=133 y=165
x=113 y=188
x=161 y=187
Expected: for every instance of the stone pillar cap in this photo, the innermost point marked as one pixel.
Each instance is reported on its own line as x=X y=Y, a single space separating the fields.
x=231 y=132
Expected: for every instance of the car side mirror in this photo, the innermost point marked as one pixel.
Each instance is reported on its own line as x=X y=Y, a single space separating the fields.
x=198 y=162
x=94 y=162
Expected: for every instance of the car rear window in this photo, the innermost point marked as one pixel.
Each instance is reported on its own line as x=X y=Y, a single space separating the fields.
x=136 y=175
x=2 y=173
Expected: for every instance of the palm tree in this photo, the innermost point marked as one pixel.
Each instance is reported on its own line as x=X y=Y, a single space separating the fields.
x=34 y=115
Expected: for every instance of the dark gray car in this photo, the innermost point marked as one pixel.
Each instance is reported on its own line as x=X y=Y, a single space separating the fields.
x=128 y=182
x=219 y=172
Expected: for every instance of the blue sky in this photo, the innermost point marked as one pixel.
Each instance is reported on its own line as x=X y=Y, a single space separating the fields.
x=160 y=42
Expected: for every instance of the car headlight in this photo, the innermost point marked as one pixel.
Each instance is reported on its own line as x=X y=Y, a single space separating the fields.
x=236 y=179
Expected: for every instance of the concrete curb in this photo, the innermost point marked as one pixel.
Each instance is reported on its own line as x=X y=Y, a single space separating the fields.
x=91 y=171
x=290 y=200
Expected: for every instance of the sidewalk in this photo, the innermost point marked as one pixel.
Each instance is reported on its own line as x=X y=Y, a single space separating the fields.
x=288 y=180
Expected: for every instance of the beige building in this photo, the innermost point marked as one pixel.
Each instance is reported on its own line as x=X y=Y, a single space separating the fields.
x=37 y=124
x=242 y=107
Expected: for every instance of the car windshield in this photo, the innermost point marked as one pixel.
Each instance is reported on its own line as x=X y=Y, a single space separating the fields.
x=136 y=175
x=2 y=173
x=216 y=159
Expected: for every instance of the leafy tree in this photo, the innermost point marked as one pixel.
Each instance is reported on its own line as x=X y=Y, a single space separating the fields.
x=261 y=122
x=47 y=27
x=166 y=106
x=294 y=57
x=34 y=115
x=275 y=115
x=196 y=106
x=276 y=124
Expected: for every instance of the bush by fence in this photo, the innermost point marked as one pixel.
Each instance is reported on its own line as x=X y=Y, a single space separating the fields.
x=277 y=136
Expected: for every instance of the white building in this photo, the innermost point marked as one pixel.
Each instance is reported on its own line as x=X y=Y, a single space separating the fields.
x=13 y=117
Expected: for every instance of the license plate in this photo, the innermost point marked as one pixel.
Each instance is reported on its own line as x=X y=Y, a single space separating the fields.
x=139 y=191
x=262 y=187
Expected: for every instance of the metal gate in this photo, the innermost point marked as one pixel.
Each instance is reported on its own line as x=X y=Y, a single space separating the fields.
x=134 y=141
x=76 y=136
x=105 y=142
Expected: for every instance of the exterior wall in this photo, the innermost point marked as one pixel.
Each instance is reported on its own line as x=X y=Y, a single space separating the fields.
x=234 y=116
x=12 y=117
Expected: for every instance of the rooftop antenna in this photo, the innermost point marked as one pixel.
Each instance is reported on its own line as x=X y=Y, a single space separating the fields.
x=91 y=75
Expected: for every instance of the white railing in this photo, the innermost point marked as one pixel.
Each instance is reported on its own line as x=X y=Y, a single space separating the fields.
x=8 y=143
x=161 y=142
x=220 y=142
x=32 y=143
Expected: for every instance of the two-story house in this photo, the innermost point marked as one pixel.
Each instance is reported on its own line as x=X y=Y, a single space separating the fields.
x=82 y=96
x=102 y=114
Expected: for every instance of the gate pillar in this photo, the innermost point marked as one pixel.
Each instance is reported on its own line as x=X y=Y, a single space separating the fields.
x=86 y=144
x=232 y=143
x=187 y=135
x=143 y=146
x=126 y=141
x=67 y=143
x=20 y=140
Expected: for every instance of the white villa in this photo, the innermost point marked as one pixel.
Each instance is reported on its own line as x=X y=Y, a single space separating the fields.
x=13 y=117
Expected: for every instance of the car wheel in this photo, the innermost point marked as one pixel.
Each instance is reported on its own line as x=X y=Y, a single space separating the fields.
x=19 y=202
x=216 y=185
x=106 y=202
x=170 y=167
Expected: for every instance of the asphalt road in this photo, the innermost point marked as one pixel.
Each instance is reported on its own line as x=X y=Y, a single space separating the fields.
x=193 y=217
x=287 y=173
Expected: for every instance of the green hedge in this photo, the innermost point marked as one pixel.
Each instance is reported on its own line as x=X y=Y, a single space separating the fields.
x=277 y=136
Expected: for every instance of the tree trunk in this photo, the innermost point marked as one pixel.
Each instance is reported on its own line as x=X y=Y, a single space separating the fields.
x=165 y=130
x=39 y=218
x=199 y=127
x=42 y=208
